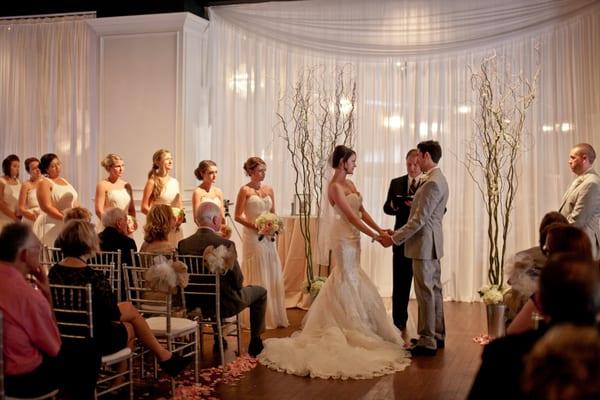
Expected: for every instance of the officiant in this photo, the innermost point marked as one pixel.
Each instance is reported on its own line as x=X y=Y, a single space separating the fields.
x=398 y=203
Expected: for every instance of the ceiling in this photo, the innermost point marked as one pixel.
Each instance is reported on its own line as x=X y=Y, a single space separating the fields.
x=110 y=8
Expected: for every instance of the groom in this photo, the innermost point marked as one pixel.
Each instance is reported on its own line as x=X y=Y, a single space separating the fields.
x=424 y=245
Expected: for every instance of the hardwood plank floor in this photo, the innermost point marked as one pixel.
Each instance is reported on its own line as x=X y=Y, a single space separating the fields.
x=448 y=375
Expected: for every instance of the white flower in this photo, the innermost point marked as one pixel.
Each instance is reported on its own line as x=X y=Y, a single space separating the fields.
x=491 y=294
x=219 y=260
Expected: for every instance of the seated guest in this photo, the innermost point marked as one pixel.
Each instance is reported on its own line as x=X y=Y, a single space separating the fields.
x=77 y=213
x=569 y=286
x=564 y=365
x=160 y=221
x=525 y=269
x=114 y=236
x=560 y=238
x=31 y=339
x=234 y=296
x=115 y=325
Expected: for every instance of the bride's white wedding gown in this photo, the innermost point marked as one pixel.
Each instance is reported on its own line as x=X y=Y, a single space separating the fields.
x=347 y=333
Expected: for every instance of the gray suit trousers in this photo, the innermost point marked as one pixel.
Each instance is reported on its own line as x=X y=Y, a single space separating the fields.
x=428 y=289
x=255 y=298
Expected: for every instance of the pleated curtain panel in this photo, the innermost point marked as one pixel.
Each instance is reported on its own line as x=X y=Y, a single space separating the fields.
x=410 y=62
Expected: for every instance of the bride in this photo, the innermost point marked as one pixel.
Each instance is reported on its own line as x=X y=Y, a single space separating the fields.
x=347 y=333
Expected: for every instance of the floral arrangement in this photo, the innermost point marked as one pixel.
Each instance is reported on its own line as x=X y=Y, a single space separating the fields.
x=315 y=286
x=491 y=294
x=179 y=214
x=219 y=260
x=268 y=224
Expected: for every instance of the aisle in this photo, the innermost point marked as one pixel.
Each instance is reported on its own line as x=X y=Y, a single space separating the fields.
x=446 y=376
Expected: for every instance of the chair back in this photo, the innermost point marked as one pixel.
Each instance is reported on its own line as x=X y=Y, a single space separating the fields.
x=73 y=310
x=203 y=289
x=112 y=275
x=145 y=259
x=51 y=255
x=105 y=258
x=138 y=294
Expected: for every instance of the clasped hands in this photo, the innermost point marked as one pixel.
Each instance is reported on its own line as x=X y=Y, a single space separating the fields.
x=385 y=237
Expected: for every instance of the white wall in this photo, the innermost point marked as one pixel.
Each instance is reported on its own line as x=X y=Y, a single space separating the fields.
x=152 y=94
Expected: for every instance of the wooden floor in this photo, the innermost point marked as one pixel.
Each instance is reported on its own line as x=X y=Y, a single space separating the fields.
x=446 y=376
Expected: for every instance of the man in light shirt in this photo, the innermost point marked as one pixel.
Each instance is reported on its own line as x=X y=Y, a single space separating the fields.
x=581 y=202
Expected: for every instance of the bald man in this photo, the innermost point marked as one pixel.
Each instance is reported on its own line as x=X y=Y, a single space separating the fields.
x=234 y=296
x=581 y=202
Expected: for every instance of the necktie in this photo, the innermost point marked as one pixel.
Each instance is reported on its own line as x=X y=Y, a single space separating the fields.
x=413 y=187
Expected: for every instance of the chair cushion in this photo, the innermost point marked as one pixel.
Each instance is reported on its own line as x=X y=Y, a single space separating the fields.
x=179 y=326
x=120 y=355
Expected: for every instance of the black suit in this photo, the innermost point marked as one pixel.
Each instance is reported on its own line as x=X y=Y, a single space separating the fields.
x=112 y=240
x=402 y=269
x=234 y=296
x=502 y=364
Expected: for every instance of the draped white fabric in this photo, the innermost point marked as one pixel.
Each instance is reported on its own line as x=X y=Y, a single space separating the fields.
x=48 y=95
x=410 y=62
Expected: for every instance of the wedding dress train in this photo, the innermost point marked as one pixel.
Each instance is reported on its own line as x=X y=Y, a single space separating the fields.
x=347 y=333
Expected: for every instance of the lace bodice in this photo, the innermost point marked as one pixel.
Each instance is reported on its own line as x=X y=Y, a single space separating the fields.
x=63 y=196
x=170 y=193
x=118 y=198
x=256 y=205
x=345 y=230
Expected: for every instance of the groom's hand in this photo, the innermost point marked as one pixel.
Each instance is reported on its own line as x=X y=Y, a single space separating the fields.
x=385 y=239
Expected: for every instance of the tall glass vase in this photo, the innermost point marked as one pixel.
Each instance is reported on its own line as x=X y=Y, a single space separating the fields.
x=496 y=324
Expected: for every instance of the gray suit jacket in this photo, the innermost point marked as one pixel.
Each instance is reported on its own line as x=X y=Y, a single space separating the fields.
x=423 y=230
x=581 y=206
x=231 y=282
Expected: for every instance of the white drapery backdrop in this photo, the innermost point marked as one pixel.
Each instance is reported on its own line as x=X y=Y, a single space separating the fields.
x=410 y=60
x=47 y=87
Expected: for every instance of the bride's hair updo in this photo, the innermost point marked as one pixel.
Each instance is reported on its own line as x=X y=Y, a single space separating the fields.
x=158 y=223
x=252 y=163
x=45 y=162
x=158 y=185
x=203 y=167
x=110 y=160
x=341 y=154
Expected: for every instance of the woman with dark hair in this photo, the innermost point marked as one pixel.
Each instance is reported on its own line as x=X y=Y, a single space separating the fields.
x=560 y=238
x=55 y=195
x=28 y=203
x=207 y=191
x=162 y=188
x=347 y=332
x=261 y=265
x=10 y=186
x=116 y=325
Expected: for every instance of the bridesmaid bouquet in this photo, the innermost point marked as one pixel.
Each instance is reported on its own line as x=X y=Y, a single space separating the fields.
x=269 y=225
x=179 y=214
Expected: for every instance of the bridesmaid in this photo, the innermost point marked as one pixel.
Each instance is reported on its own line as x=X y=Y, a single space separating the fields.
x=161 y=188
x=10 y=186
x=55 y=195
x=260 y=265
x=114 y=191
x=28 y=202
x=206 y=173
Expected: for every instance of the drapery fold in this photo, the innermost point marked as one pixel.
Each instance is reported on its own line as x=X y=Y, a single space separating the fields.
x=48 y=92
x=413 y=83
x=395 y=28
